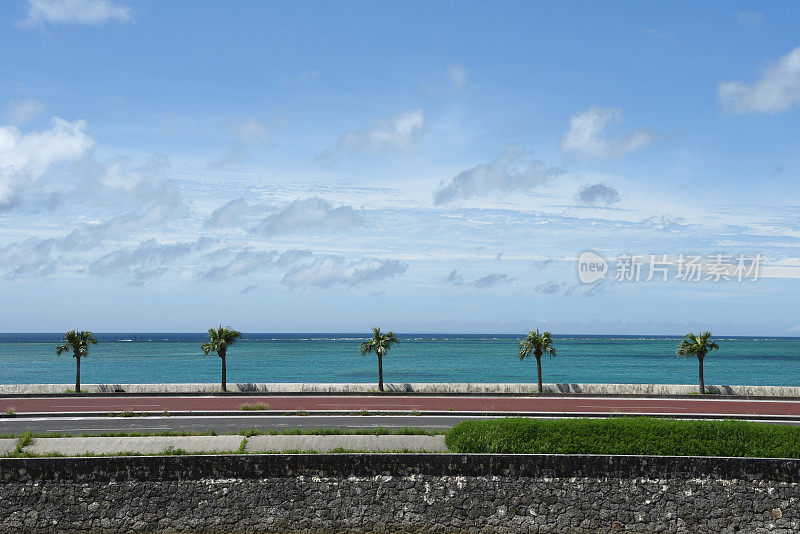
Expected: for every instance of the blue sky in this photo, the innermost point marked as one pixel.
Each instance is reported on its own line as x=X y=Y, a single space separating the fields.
x=431 y=167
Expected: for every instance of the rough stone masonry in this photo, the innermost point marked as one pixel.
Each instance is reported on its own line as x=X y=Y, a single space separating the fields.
x=398 y=493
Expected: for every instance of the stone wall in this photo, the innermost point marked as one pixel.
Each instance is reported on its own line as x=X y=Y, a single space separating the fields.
x=455 y=388
x=399 y=493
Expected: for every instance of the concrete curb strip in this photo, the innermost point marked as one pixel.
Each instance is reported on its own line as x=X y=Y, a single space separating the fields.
x=431 y=388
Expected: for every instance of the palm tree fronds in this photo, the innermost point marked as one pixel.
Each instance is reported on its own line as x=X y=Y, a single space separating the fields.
x=219 y=339
x=536 y=344
x=78 y=341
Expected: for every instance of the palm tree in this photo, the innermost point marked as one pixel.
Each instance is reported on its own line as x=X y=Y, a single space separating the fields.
x=78 y=342
x=380 y=345
x=537 y=344
x=697 y=346
x=219 y=339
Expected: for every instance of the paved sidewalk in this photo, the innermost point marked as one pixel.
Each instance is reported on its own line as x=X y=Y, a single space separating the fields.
x=364 y=443
x=227 y=444
x=141 y=445
x=7 y=446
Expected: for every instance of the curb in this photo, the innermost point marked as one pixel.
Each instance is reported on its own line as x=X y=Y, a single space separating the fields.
x=245 y=394
x=384 y=413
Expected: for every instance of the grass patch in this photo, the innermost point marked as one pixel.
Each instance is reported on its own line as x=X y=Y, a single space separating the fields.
x=127 y=413
x=22 y=441
x=625 y=435
x=11 y=411
x=260 y=406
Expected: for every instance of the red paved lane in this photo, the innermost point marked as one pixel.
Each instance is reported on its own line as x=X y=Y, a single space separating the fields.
x=410 y=403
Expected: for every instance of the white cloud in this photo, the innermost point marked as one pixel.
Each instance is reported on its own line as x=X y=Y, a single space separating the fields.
x=455 y=278
x=245 y=262
x=587 y=134
x=251 y=131
x=120 y=174
x=492 y=280
x=290 y=257
x=37 y=257
x=248 y=289
x=29 y=258
x=25 y=157
x=778 y=89
x=18 y=113
x=667 y=223
x=147 y=261
x=550 y=288
x=308 y=214
x=246 y=134
x=146 y=187
x=457 y=75
x=248 y=261
x=229 y=214
x=512 y=170
x=327 y=271
x=597 y=195
x=91 y=12
x=401 y=132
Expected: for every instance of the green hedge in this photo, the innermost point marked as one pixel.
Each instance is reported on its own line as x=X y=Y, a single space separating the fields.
x=625 y=435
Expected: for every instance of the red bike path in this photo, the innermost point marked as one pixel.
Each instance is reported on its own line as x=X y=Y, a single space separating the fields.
x=282 y=404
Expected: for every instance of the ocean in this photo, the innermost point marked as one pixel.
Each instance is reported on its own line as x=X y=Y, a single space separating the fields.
x=158 y=358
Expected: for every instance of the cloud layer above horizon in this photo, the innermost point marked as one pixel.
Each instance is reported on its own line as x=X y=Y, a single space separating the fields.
x=315 y=171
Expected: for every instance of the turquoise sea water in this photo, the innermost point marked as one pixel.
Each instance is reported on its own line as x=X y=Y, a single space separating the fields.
x=137 y=358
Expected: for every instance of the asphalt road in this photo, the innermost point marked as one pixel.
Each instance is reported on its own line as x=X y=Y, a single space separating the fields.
x=687 y=407
x=78 y=415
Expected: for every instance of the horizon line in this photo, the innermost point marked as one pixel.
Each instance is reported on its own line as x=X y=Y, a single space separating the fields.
x=365 y=333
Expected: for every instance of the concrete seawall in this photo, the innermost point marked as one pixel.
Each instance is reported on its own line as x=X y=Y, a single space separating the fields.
x=399 y=493
x=424 y=388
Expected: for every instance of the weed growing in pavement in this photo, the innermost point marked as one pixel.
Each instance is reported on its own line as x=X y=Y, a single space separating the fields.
x=260 y=406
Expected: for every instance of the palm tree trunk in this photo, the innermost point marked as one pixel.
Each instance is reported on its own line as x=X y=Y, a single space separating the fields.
x=380 y=372
x=78 y=375
x=539 y=373
x=224 y=378
x=702 y=384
